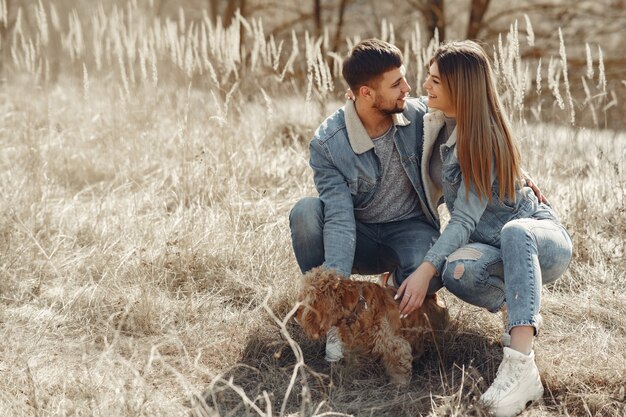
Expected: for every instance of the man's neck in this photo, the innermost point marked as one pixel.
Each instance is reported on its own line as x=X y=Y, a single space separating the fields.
x=375 y=122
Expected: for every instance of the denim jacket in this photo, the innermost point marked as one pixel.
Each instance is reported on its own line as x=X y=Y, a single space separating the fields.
x=471 y=219
x=347 y=173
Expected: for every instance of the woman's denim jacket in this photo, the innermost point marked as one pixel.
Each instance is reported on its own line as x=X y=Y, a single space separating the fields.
x=347 y=173
x=471 y=219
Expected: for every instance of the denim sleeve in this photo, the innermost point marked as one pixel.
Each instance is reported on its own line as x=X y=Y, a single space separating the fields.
x=339 y=223
x=467 y=211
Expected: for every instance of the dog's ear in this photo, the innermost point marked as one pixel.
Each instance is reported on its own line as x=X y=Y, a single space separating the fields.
x=324 y=306
x=299 y=313
x=309 y=318
x=316 y=315
x=437 y=312
x=438 y=301
x=348 y=295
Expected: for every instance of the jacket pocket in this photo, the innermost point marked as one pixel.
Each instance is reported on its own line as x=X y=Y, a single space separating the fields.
x=451 y=174
x=362 y=190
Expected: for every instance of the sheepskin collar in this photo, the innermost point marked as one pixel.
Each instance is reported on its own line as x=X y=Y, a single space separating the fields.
x=434 y=121
x=359 y=140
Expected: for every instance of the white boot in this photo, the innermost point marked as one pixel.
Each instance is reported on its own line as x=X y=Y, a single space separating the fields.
x=516 y=384
x=334 y=347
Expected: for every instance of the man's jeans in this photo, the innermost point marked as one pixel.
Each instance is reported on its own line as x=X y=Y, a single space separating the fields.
x=397 y=247
x=534 y=251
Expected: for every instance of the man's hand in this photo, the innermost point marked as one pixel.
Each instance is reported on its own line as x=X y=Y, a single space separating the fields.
x=413 y=290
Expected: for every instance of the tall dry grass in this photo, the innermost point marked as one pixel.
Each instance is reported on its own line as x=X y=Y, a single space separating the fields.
x=145 y=259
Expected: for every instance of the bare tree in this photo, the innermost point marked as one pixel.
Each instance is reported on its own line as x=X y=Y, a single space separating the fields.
x=341 y=12
x=228 y=12
x=433 y=13
x=317 y=17
x=213 y=9
x=434 y=16
x=231 y=9
x=477 y=14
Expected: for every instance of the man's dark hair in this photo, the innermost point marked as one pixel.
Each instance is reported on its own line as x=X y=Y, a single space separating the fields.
x=369 y=59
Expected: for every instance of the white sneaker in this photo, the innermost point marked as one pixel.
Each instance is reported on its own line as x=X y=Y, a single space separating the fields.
x=334 y=347
x=517 y=383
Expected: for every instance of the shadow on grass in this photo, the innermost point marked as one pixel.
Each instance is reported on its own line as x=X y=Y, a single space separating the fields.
x=447 y=379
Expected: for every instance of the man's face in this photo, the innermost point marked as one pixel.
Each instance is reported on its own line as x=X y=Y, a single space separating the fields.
x=391 y=91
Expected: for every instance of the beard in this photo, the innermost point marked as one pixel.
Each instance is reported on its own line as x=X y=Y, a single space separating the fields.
x=388 y=107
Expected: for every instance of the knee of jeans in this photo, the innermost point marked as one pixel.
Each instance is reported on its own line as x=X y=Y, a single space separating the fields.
x=461 y=269
x=553 y=272
x=515 y=232
x=307 y=214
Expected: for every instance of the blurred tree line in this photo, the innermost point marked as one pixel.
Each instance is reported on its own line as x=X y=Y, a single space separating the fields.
x=601 y=22
x=597 y=23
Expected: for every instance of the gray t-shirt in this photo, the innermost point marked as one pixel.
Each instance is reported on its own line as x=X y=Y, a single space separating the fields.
x=395 y=199
x=435 y=165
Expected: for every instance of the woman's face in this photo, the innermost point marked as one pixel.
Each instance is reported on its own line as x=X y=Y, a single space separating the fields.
x=438 y=97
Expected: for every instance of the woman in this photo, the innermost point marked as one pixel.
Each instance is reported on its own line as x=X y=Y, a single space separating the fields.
x=517 y=243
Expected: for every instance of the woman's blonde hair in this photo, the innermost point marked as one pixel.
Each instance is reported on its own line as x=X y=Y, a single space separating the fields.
x=483 y=130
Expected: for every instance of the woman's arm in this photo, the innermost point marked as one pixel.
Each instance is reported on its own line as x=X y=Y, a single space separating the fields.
x=467 y=211
x=465 y=215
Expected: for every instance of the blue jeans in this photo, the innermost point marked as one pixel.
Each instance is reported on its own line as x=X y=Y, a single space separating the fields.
x=533 y=251
x=380 y=247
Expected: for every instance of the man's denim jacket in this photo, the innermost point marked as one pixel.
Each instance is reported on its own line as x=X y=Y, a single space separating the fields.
x=347 y=173
x=471 y=219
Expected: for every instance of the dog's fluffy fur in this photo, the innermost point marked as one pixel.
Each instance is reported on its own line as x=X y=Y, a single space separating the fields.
x=368 y=319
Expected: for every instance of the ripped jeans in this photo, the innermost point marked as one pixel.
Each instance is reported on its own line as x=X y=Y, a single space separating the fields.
x=533 y=251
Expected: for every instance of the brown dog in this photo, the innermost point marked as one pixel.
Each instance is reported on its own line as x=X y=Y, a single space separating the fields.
x=368 y=319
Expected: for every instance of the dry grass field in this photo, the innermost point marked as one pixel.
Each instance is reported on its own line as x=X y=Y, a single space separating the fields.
x=145 y=259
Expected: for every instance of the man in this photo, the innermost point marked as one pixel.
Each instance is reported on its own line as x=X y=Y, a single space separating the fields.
x=371 y=215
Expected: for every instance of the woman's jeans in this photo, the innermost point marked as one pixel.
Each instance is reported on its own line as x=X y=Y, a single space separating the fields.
x=380 y=247
x=534 y=251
